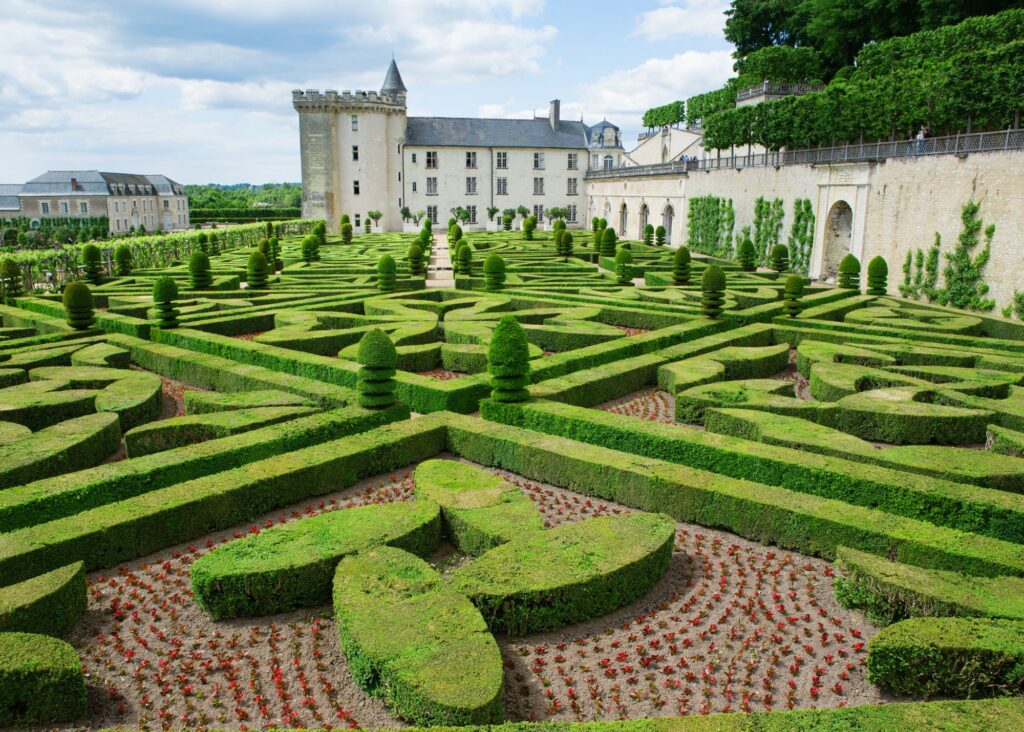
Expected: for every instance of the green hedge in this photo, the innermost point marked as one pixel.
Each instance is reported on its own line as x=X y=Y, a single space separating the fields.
x=953 y=657
x=890 y=591
x=291 y=566
x=211 y=402
x=547 y=579
x=433 y=661
x=40 y=680
x=75 y=444
x=48 y=604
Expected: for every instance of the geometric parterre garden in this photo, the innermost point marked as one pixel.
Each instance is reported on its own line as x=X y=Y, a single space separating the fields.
x=217 y=511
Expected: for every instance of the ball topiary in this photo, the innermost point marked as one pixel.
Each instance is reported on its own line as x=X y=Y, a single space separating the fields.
x=649 y=234
x=623 y=270
x=494 y=273
x=681 y=266
x=375 y=380
x=415 y=257
x=78 y=305
x=791 y=295
x=386 y=269
x=878 y=275
x=508 y=361
x=92 y=259
x=747 y=255
x=603 y=223
x=344 y=220
x=565 y=245
x=779 y=258
x=849 y=273
x=123 y=259
x=712 y=287
x=11 y=276
x=256 y=271
x=608 y=240
x=199 y=271
x=464 y=259
x=346 y=233
x=659 y=236
x=165 y=292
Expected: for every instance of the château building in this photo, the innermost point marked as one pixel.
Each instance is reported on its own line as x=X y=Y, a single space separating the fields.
x=362 y=152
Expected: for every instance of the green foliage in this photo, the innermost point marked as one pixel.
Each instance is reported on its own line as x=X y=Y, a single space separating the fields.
x=165 y=292
x=92 y=259
x=274 y=260
x=779 y=258
x=374 y=216
x=417 y=263
x=849 y=272
x=710 y=222
x=40 y=681
x=78 y=305
x=494 y=273
x=702 y=106
x=609 y=242
x=878 y=276
x=49 y=603
x=747 y=255
x=508 y=361
x=375 y=381
x=659 y=236
x=257 y=271
x=492 y=211
x=245 y=196
x=768 y=217
x=199 y=271
x=506 y=222
x=712 y=287
x=801 y=235
x=794 y=290
x=464 y=258
x=565 y=245
x=346 y=232
x=386 y=269
x=668 y=114
x=345 y=219
x=529 y=225
x=454 y=233
x=10 y=279
x=623 y=267
x=123 y=259
x=649 y=234
x=782 y=64
x=310 y=249
x=964 y=284
x=681 y=266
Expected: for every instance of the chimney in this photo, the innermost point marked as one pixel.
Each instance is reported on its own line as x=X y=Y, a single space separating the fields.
x=74 y=184
x=553 y=113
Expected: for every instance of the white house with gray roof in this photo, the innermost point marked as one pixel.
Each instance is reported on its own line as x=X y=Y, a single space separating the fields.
x=362 y=152
x=127 y=200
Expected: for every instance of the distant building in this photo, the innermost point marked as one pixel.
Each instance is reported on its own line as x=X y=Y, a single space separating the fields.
x=153 y=201
x=362 y=152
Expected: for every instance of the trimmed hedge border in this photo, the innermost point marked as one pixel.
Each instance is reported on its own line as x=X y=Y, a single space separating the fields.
x=74 y=444
x=48 y=604
x=40 y=680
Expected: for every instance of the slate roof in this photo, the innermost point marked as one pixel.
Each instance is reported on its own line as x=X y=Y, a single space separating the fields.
x=472 y=132
x=393 y=80
x=95 y=183
x=9 y=196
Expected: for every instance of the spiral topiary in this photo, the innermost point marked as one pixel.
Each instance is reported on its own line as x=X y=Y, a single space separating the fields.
x=367 y=225
x=346 y=233
x=199 y=271
x=791 y=295
x=623 y=270
x=202 y=241
x=78 y=305
x=274 y=260
x=263 y=245
x=878 y=275
x=320 y=232
x=649 y=234
x=415 y=257
x=386 y=269
x=528 y=227
x=464 y=259
x=565 y=245
x=747 y=255
x=779 y=258
x=508 y=361
x=494 y=273
x=375 y=380
x=344 y=220
x=849 y=273
x=659 y=236
x=712 y=287
x=681 y=266
x=11 y=275
x=256 y=271
x=214 y=243
x=506 y=223
x=608 y=242
x=92 y=259
x=309 y=249
x=123 y=259
x=165 y=292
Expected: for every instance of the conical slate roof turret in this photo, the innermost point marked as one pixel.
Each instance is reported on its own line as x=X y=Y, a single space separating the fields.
x=393 y=83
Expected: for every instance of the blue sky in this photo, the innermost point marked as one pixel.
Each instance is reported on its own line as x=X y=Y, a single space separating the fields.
x=200 y=89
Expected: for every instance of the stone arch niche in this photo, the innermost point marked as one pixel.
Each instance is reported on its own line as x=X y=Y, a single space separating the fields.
x=666 y=220
x=838 y=238
x=623 y=220
x=840 y=210
x=645 y=214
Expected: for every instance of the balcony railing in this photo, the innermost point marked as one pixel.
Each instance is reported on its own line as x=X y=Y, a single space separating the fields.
x=775 y=89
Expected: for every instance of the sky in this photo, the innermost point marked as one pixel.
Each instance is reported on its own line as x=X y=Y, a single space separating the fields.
x=200 y=90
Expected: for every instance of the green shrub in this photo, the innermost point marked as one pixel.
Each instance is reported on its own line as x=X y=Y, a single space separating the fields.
x=794 y=290
x=199 y=271
x=344 y=220
x=201 y=241
x=274 y=260
x=165 y=292
x=951 y=657
x=508 y=361
x=320 y=232
x=712 y=287
x=565 y=245
x=529 y=225
x=49 y=603
x=257 y=271
x=78 y=305
x=367 y=225
x=780 y=258
x=375 y=380
x=659 y=236
x=681 y=266
x=40 y=680
x=608 y=241
x=623 y=267
x=386 y=269
x=747 y=255
x=214 y=245
x=494 y=273
x=849 y=273
x=346 y=233
x=10 y=279
x=878 y=275
x=123 y=258
x=414 y=255
x=263 y=245
x=464 y=259
x=93 y=263
x=649 y=234
x=506 y=223
x=454 y=233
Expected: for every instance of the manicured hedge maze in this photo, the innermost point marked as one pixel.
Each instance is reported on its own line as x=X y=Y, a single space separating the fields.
x=770 y=502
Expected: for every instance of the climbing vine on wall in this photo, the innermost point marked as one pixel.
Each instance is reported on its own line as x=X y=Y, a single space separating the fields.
x=710 y=222
x=768 y=217
x=801 y=235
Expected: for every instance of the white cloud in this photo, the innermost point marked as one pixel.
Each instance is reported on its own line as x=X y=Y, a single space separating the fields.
x=469 y=49
x=683 y=18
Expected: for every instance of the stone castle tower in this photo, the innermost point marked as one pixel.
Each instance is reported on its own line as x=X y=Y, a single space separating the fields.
x=351 y=148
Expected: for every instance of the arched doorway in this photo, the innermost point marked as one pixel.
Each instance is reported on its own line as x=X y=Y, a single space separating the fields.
x=644 y=214
x=837 y=237
x=607 y=211
x=666 y=221
x=623 y=218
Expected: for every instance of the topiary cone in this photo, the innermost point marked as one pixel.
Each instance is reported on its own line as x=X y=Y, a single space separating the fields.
x=256 y=271
x=623 y=270
x=375 y=380
x=415 y=257
x=199 y=271
x=386 y=269
x=78 y=305
x=608 y=240
x=712 y=287
x=849 y=273
x=779 y=258
x=165 y=292
x=123 y=259
x=747 y=255
x=11 y=275
x=92 y=259
x=792 y=293
x=464 y=259
x=681 y=266
x=508 y=361
x=878 y=276
x=494 y=273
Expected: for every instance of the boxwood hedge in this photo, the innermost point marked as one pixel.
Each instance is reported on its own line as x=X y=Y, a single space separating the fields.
x=40 y=680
